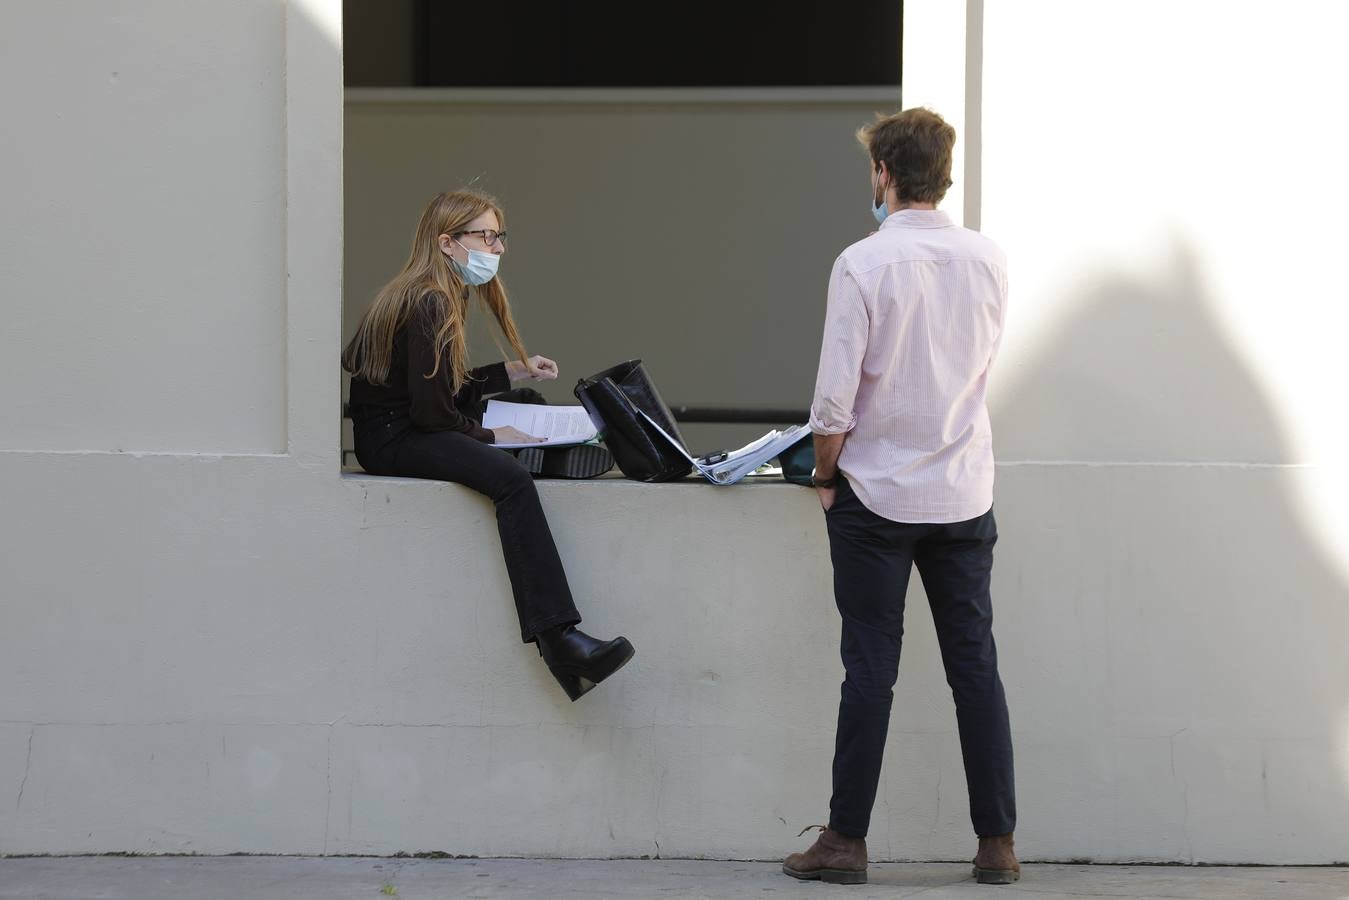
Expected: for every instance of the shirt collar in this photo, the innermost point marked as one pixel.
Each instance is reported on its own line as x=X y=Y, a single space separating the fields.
x=918 y=218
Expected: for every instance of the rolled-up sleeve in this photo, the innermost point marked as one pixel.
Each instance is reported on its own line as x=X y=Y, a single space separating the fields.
x=846 y=327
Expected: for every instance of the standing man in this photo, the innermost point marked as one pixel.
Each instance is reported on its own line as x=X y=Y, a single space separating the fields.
x=904 y=472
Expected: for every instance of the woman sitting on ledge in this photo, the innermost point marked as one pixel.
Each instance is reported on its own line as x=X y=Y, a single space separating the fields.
x=416 y=409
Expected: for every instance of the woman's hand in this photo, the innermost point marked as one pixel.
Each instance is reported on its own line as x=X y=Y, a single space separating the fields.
x=536 y=368
x=509 y=434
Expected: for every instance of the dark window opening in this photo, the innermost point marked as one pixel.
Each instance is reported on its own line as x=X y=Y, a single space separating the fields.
x=621 y=43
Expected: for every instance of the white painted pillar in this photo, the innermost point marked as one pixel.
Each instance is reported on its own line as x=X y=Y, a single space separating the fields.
x=943 y=54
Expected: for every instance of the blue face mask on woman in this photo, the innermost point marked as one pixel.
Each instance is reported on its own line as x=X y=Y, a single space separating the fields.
x=480 y=268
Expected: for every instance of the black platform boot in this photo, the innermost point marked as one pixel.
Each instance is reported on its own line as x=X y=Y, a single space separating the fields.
x=581 y=461
x=579 y=661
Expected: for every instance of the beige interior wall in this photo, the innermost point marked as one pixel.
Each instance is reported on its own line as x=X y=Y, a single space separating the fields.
x=692 y=229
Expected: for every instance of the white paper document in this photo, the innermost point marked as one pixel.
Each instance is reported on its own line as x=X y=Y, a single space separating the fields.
x=557 y=425
x=738 y=463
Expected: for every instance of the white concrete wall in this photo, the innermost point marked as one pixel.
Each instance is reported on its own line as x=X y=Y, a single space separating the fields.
x=143 y=252
x=1167 y=181
x=214 y=642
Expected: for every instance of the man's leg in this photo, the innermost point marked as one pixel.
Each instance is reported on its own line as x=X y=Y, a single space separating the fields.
x=872 y=557
x=956 y=563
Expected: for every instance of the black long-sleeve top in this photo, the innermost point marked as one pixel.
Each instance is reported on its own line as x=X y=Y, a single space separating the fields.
x=430 y=403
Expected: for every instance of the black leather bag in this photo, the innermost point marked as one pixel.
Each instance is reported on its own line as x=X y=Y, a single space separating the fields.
x=613 y=398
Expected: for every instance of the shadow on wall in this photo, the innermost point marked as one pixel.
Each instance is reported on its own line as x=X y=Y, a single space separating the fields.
x=1193 y=677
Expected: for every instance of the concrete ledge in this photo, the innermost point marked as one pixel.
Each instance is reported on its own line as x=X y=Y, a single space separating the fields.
x=361 y=879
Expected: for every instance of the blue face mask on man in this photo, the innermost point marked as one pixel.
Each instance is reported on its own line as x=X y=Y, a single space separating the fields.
x=480 y=268
x=879 y=209
x=881 y=212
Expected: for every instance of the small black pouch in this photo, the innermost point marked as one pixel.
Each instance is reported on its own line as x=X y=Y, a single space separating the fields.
x=798 y=461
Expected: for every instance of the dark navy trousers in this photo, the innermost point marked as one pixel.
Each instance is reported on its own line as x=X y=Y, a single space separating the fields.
x=872 y=558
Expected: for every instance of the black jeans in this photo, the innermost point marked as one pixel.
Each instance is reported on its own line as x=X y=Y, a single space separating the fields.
x=542 y=597
x=872 y=558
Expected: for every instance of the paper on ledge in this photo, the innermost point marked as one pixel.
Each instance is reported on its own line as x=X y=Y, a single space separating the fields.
x=557 y=425
x=738 y=463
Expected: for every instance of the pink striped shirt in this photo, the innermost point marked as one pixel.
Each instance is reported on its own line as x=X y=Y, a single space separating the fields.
x=914 y=318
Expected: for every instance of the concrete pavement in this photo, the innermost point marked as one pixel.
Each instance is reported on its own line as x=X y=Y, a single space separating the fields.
x=367 y=878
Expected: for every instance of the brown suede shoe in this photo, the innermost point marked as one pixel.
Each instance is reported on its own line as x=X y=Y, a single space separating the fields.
x=834 y=858
x=996 y=862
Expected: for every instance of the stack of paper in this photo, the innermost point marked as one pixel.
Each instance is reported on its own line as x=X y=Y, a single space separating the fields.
x=557 y=425
x=739 y=463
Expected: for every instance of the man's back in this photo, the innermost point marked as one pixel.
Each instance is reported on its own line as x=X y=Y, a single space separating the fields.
x=915 y=316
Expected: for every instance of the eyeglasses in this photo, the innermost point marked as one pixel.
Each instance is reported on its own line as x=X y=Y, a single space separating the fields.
x=489 y=236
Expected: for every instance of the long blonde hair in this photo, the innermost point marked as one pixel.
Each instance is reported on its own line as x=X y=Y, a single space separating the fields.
x=428 y=272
